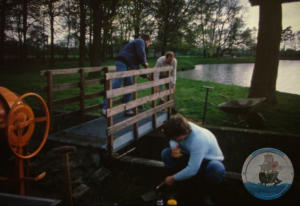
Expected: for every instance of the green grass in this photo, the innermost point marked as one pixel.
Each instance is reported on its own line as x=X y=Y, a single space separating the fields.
x=190 y=94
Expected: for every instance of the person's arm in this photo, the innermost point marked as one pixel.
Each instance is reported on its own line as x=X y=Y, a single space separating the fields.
x=192 y=168
x=141 y=52
x=175 y=71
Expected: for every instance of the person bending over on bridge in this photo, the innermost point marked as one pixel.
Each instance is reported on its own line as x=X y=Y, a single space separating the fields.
x=129 y=58
x=167 y=60
x=194 y=151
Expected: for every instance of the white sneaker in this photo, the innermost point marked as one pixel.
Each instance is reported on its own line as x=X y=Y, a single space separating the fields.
x=103 y=112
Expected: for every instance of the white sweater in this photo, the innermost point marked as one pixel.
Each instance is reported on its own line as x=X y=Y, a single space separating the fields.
x=161 y=62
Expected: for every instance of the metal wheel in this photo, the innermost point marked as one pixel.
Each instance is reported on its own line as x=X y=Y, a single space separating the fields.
x=21 y=125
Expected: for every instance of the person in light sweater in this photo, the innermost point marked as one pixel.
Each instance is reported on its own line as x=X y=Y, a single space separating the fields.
x=167 y=60
x=194 y=151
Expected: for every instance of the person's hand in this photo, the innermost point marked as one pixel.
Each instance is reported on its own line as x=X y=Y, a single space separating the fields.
x=176 y=152
x=174 y=87
x=149 y=77
x=146 y=65
x=169 y=180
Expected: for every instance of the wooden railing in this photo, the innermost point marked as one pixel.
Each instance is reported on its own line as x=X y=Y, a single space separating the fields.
x=137 y=101
x=82 y=84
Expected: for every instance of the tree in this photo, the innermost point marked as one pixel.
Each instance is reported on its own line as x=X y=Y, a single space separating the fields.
x=53 y=11
x=3 y=15
x=171 y=16
x=96 y=46
x=263 y=82
x=83 y=9
x=287 y=35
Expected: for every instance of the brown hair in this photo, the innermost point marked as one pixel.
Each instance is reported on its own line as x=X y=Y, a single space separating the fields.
x=169 y=53
x=145 y=37
x=177 y=126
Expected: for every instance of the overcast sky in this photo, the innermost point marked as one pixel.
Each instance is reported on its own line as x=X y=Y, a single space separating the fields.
x=290 y=15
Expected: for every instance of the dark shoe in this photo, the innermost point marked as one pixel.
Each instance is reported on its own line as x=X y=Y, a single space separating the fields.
x=208 y=200
x=129 y=113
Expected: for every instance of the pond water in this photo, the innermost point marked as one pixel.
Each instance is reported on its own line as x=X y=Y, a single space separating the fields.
x=288 y=79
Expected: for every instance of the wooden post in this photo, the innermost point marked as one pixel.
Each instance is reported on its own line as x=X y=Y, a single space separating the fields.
x=154 y=116
x=82 y=94
x=136 y=125
x=169 y=96
x=110 y=138
x=50 y=96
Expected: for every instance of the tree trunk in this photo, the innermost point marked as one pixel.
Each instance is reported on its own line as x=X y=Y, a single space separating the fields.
x=96 y=47
x=3 y=7
x=51 y=16
x=24 y=30
x=90 y=32
x=82 y=33
x=263 y=83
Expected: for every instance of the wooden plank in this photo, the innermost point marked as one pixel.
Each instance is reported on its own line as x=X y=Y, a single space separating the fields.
x=111 y=68
x=64 y=86
x=136 y=118
x=137 y=72
x=73 y=70
x=138 y=102
x=66 y=101
x=91 y=82
x=94 y=95
x=132 y=88
x=93 y=107
x=77 y=98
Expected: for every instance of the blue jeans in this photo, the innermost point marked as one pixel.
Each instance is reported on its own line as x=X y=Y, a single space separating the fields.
x=121 y=67
x=211 y=171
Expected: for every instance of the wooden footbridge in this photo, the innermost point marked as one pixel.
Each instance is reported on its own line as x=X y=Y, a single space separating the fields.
x=113 y=131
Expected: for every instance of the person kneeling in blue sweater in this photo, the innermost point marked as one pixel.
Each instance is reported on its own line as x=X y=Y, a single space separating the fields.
x=194 y=151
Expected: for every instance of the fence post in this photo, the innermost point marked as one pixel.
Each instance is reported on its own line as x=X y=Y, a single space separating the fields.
x=82 y=94
x=110 y=137
x=50 y=97
x=170 y=95
x=136 y=125
x=154 y=116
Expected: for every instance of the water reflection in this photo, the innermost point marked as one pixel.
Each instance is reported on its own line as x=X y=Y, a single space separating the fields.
x=240 y=74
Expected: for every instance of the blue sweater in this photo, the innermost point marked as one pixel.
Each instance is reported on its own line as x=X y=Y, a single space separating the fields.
x=200 y=144
x=133 y=53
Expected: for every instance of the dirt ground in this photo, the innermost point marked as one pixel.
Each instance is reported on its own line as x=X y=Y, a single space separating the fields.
x=99 y=181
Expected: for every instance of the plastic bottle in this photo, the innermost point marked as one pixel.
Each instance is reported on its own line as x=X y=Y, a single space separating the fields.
x=172 y=202
x=160 y=200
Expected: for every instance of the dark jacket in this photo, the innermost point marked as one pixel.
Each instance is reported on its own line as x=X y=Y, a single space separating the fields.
x=133 y=54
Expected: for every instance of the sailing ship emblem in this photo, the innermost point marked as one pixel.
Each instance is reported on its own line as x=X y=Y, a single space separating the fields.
x=269 y=171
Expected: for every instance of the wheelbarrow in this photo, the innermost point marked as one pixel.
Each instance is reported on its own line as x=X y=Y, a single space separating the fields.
x=245 y=109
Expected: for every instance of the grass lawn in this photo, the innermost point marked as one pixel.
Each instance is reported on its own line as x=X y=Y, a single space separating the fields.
x=190 y=94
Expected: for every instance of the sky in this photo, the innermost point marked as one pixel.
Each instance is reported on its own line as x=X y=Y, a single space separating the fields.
x=290 y=15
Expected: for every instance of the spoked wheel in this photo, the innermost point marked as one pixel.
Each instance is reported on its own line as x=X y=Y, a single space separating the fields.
x=21 y=125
